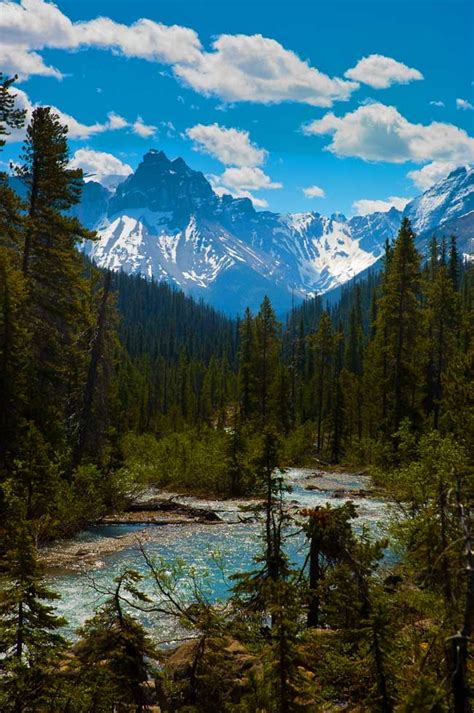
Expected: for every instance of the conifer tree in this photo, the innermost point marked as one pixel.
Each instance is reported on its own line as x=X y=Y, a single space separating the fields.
x=442 y=315
x=15 y=351
x=338 y=410
x=29 y=640
x=453 y=265
x=394 y=359
x=114 y=651
x=14 y=334
x=53 y=267
x=323 y=343
x=267 y=357
x=11 y=117
x=246 y=365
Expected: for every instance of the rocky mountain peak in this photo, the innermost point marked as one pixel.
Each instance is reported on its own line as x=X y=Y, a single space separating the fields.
x=165 y=221
x=162 y=185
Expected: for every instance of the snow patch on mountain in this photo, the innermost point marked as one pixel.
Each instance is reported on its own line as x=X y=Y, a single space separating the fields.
x=165 y=222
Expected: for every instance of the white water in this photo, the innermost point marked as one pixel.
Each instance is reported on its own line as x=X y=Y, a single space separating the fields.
x=211 y=552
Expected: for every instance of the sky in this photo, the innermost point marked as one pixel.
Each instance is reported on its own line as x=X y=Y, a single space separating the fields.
x=327 y=105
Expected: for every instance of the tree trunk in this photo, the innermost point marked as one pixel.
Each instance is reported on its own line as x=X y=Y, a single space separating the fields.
x=314 y=579
x=89 y=389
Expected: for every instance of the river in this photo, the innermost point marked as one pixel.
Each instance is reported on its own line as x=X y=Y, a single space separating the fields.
x=210 y=552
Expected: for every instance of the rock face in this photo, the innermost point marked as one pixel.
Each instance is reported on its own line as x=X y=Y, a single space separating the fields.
x=165 y=221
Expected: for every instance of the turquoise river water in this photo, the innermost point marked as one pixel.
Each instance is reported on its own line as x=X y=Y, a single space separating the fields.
x=211 y=552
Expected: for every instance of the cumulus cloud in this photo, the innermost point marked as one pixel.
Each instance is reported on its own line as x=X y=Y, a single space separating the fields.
x=381 y=72
x=259 y=69
x=232 y=147
x=437 y=102
x=432 y=173
x=99 y=165
x=242 y=182
x=247 y=178
x=222 y=190
x=238 y=67
x=76 y=129
x=464 y=104
x=14 y=60
x=35 y=24
x=365 y=206
x=377 y=132
x=116 y=121
x=142 y=129
x=314 y=192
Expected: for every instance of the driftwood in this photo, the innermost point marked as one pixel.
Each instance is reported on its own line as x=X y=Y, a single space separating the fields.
x=170 y=505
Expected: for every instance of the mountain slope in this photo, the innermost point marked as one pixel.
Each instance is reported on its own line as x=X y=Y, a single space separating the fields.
x=165 y=221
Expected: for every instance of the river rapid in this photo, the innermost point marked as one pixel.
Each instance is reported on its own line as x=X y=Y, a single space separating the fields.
x=207 y=553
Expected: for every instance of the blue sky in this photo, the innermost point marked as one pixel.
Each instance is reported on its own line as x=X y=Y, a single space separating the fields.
x=270 y=98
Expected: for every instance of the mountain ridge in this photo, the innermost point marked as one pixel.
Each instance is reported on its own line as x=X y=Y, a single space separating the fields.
x=164 y=221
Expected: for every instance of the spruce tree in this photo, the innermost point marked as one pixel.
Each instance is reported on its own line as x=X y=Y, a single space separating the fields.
x=266 y=362
x=323 y=344
x=29 y=640
x=53 y=268
x=114 y=652
x=394 y=356
x=442 y=318
x=11 y=117
x=15 y=354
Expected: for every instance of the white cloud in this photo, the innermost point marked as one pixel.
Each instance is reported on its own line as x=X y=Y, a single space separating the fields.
x=116 y=121
x=432 y=173
x=238 y=67
x=15 y=60
x=247 y=178
x=377 y=132
x=437 y=102
x=76 y=129
x=235 y=193
x=314 y=192
x=232 y=147
x=142 y=129
x=259 y=69
x=464 y=104
x=98 y=165
x=365 y=206
x=241 y=182
x=381 y=72
x=35 y=24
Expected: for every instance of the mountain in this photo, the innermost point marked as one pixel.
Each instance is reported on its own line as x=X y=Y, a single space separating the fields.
x=165 y=221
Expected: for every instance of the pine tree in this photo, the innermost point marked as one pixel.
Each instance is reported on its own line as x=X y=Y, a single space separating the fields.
x=53 y=268
x=338 y=410
x=15 y=352
x=10 y=115
x=98 y=348
x=394 y=354
x=29 y=640
x=442 y=315
x=14 y=334
x=453 y=265
x=114 y=652
x=323 y=344
x=266 y=361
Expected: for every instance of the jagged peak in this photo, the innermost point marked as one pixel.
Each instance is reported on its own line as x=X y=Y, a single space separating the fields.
x=179 y=163
x=154 y=154
x=460 y=170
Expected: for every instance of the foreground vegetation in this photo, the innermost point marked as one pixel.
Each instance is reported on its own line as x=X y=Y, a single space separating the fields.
x=109 y=386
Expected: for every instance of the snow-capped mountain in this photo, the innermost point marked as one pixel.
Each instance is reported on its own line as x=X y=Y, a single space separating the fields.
x=165 y=221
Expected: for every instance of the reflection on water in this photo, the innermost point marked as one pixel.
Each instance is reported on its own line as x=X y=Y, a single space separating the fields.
x=211 y=552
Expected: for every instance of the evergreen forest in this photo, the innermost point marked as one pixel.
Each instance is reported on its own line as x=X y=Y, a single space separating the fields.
x=112 y=385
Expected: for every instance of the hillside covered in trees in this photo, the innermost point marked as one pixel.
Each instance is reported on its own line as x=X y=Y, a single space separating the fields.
x=110 y=385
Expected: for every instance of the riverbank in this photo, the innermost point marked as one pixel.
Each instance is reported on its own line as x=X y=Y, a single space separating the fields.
x=160 y=512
